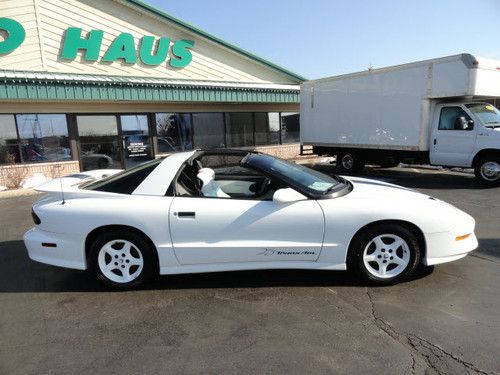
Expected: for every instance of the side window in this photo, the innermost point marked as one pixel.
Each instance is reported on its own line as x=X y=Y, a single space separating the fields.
x=454 y=118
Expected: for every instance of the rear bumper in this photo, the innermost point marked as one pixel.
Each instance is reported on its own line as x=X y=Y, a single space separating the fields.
x=443 y=247
x=69 y=251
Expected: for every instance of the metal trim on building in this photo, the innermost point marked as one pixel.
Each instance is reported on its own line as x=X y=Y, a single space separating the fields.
x=43 y=86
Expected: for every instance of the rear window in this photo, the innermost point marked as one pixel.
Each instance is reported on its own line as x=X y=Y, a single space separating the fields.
x=125 y=182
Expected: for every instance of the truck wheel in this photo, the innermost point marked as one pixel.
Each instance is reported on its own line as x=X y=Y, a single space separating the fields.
x=487 y=171
x=350 y=162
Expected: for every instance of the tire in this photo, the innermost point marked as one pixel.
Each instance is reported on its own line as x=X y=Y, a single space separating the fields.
x=130 y=259
x=487 y=170
x=368 y=256
x=350 y=162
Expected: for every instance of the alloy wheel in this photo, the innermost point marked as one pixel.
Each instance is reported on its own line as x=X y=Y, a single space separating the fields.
x=386 y=256
x=120 y=261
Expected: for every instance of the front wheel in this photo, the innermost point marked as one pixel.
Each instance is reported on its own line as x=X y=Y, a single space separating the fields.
x=122 y=259
x=487 y=171
x=385 y=254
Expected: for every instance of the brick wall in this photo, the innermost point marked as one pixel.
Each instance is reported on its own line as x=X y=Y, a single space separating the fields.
x=13 y=174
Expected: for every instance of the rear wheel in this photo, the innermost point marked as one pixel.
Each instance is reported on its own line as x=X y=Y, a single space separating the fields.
x=350 y=162
x=122 y=259
x=385 y=254
x=487 y=171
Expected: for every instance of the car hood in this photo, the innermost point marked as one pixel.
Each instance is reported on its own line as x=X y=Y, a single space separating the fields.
x=364 y=188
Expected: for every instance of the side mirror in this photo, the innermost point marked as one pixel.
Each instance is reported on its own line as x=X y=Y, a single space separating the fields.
x=286 y=196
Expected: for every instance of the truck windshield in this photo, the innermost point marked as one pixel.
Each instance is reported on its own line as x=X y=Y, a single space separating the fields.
x=487 y=114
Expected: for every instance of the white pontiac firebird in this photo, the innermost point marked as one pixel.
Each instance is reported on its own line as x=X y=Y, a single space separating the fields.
x=225 y=210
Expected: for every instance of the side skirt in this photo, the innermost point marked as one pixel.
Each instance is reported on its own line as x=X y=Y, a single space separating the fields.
x=202 y=268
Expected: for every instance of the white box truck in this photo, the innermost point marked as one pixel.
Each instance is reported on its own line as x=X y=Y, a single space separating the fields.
x=431 y=111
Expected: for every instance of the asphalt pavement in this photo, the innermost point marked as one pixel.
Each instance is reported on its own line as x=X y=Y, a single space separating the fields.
x=445 y=321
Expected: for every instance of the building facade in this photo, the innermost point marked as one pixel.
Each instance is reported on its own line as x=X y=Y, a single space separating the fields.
x=90 y=84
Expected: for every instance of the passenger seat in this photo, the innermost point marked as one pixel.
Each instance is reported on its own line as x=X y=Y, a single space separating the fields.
x=209 y=187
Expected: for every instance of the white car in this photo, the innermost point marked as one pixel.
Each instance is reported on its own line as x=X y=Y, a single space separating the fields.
x=210 y=211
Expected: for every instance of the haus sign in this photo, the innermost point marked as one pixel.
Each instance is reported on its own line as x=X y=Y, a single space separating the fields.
x=150 y=51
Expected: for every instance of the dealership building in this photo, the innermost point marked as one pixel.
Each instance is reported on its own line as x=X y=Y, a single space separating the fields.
x=90 y=84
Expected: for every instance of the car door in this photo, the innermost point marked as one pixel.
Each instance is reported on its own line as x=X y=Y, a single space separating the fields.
x=452 y=146
x=207 y=230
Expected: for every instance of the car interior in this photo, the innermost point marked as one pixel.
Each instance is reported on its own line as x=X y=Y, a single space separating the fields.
x=223 y=176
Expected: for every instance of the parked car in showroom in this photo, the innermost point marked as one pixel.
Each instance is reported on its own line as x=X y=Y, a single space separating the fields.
x=208 y=211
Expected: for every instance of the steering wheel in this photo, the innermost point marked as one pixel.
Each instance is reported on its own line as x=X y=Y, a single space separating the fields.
x=264 y=187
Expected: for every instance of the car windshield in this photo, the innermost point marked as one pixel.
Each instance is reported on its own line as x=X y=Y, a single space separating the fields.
x=307 y=179
x=487 y=114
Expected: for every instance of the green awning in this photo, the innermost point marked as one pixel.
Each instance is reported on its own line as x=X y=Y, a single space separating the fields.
x=21 y=85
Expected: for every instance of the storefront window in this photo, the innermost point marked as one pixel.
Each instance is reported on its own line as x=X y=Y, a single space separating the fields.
x=267 y=128
x=9 y=147
x=43 y=138
x=136 y=140
x=239 y=129
x=99 y=142
x=208 y=130
x=174 y=131
x=290 y=127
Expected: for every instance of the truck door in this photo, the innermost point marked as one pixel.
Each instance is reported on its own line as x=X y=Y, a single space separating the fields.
x=453 y=137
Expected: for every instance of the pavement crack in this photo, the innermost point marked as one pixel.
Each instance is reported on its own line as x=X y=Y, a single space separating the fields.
x=433 y=353
x=435 y=358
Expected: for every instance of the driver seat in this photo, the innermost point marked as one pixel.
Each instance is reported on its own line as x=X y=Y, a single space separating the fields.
x=209 y=187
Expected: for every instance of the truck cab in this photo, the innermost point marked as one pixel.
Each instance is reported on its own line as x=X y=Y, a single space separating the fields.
x=467 y=134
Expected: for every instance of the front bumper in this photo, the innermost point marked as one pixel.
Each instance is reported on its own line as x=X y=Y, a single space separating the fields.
x=69 y=251
x=443 y=247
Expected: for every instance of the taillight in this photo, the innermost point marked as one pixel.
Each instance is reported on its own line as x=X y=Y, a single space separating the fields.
x=35 y=217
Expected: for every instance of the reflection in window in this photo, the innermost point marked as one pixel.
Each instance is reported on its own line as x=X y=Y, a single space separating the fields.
x=174 y=131
x=95 y=126
x=239 y=129
x=9 y=146
x=267 y=128
x=43 y=138
x=208 y=130
x=99 y=142
x=290 y=127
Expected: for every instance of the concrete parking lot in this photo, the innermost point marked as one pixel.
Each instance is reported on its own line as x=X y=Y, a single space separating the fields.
x=446 y=321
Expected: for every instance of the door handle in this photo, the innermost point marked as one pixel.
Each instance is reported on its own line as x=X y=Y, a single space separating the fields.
x=435 y=141
x=185 y=214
